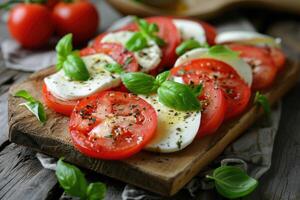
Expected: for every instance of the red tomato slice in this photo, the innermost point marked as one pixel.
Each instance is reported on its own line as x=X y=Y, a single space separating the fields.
x=264 y=70
x=112 y=125
x=169 y=33
x=117 y=52
x=278 y=58
x=210 y=32
x=236 y=91
x=59 y=106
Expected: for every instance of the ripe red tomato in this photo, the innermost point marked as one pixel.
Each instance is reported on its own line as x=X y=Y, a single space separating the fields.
x=59 y=106
x=112 y=125
x=51 y=3
x=117 y=52
x=261 y=61
x=79 y=18
x=31 y=25
x=278 y=57
x=210 y=32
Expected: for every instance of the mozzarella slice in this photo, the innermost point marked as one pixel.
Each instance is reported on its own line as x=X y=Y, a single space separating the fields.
x=190 y=30
x=175 y=129
x=63 y=88
x=247 y=37
x=241 y=67
x=148 y=58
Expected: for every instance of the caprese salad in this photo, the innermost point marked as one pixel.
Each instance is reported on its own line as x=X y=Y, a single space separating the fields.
x=158 y=84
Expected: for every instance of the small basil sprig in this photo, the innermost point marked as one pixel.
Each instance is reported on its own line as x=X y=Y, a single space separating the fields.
x=70 y=61
x=232 y=182
x=147 y=31
x=189 y=45
x=222 y=51
x=114 y=68
x=33 y=105
x=72 y=180
x=171 y=94
x=262 y=101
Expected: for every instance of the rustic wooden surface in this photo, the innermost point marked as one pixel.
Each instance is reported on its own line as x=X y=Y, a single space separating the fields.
x=280 y=183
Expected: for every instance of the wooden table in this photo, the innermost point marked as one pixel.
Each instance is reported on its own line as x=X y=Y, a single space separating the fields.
x=22 y=176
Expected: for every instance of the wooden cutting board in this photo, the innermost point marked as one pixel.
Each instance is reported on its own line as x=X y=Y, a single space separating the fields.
x=160 y=173
x=199 y=8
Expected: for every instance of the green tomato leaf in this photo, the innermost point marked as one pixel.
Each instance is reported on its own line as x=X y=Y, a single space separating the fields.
x=114 y=68
x=162 y=77
x=75 y=68
x=263 y=101
x=139 y=83
x=187 y=45
x=71 y=179
x=136 y=42
x=178 y=96
x=25 y=95
x=96 y=191
x=222 y=51
x=232 y=182
x=37 y=109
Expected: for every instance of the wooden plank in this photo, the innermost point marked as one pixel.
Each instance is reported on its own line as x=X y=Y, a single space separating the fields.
x=165 y=173
x=22 y=176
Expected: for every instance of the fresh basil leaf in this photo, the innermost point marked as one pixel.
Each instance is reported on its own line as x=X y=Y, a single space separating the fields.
x=32 y=105
x=222 y=51
x=128 y=60
x=139 y=83
x=71 y=179
x=178 y=96
x=25 y=95
x=114 y=68
x=162 y=77
x=136 y=42
x=96 y=191
x=75 y=68
x=186 y=46
x=64 y=46
x=232 y=182
x=153 y=28
x=60 y=62
x=197 y=89
x=263 y=101
x=160 y=42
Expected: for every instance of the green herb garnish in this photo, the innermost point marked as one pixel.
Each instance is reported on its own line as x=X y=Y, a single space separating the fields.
x=189 y=45
x=262 y=101
x=33 y=105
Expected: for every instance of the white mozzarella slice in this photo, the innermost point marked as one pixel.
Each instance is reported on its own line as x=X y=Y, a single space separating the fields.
x=63 y=88
x=247 y=37
x=241 y=67
x=148 y=58
x=190 y=30
x=175 y=129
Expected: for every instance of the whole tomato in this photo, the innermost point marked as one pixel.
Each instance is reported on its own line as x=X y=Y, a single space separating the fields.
x=31 y=25
x=78 y=17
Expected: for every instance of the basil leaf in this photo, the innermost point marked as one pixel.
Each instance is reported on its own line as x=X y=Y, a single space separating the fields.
x=178 y=96
x=63 y=48
x=162 y=77
x=114 y=68
x=96 y=191
x=136 y=42
x=186 y=46
x=263 y=101
x=139 y=83
x=222 y=51
x=128 y=60
x=232 y=182
x=71 y=179
x=75 y=68
x=197 y=89
x=32 y=105
x=160 y=42
x=37 y=109
x=25 y=95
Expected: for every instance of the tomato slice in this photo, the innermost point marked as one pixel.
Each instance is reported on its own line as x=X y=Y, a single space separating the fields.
x=235 y=90
x=259 y=58
x=169 y=33
x=112 y=125
x=59 y=106
x=210 y=32
x=278 y=58
x=117 y=52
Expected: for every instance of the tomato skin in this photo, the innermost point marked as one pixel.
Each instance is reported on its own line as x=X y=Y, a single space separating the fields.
x=59 y=106
x=210 y=32
x=261 y=61
x=31 y=25
x=97 y=110
x=79 y=18
x=278 y=57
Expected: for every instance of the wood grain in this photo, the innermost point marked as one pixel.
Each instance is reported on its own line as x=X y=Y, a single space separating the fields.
x=165 y=173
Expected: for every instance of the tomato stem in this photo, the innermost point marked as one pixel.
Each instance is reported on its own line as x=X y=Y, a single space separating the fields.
x=7 y=4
